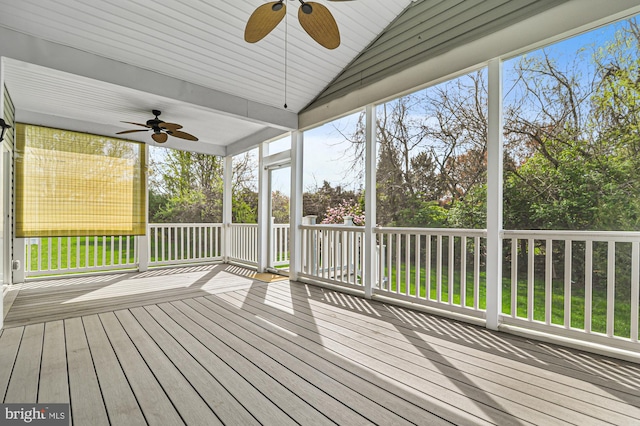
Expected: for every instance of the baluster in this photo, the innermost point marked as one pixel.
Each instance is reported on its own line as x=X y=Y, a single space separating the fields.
x=635 y=289
x=588 y=286
x=439 y=268
x=389 y=262
x=407 y=266
x=398 y=266
x=514 y=277
x=417 y=262
x=530 y=278
x=548 y=280
x=476 y=274
x=451 y=268
x=567 y=283
x=611 y=286
x=463 y=271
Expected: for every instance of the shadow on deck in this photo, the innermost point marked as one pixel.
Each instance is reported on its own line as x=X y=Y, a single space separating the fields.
x=211 y=345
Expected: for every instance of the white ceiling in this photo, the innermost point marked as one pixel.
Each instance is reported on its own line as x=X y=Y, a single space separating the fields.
x=90 y=65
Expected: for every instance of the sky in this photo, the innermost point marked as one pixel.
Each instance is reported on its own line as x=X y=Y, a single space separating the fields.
x=326 y=150
x=325 y=147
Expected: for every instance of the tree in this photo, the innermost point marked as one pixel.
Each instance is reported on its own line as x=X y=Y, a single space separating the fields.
x=317 y=201
x=431 y=152
x=187 y=187
x=573 y=141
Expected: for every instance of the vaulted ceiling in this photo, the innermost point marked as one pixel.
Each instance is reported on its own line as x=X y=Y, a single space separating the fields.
x=88 y=66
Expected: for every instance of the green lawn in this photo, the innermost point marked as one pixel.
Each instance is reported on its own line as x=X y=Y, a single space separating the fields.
x=622 y=306
x=73 y=251
x=91 y=252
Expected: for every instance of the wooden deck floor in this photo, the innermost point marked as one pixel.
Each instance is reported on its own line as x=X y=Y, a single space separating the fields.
x=209 y=346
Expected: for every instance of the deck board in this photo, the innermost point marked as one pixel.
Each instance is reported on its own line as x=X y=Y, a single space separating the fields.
x=87 y=405
x=475 y=402
x=224 y=405
x=278 y=400
x=515 y=383
x=307 y=382
x=54 y=379
x=154 y=402
x=210 y=346
x=23 y=386
x=9 y=346
x=189 y=403
x=118 y=397
x=286 y=347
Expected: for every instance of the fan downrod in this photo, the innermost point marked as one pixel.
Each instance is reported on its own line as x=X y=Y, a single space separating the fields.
x=306 y=7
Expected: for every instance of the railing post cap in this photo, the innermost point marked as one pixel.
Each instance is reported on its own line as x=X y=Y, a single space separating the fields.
x=309 y=220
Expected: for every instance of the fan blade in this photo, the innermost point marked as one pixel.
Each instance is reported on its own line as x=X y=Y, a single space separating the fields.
x=170 y=126
x=183 y=135
x=319 y=23
x=263 y=20
x=132 y=131
x=137 y=124
x=160 y=137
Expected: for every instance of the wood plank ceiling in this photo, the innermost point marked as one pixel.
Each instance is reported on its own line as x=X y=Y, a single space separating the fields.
x=200 y=43
x=90 y=65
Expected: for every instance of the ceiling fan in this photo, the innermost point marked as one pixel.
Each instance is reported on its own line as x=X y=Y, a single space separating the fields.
x=314 y=17
x=161 y=130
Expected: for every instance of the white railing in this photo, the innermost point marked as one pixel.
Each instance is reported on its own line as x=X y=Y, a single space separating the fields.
x=435 y=267
x=280 y=244
x=68 y=255
x=577 y=284
x=243 y=243
x=176 y=243
x=333 y=254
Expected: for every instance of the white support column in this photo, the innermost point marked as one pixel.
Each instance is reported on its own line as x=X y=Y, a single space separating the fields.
x=494 y=196
x=295 y=208
x=227 y=207
x=143 y=240
x=264 y=210
x=370 y=201
x=19 y=264
x=143 y=252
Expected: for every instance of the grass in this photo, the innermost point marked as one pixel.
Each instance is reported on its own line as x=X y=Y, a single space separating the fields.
x=622 y=304
x=80 y=252
x=93 y=252
x=89 y=252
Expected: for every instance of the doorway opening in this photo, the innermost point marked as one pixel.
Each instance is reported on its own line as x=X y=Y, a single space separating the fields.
x=279 y=212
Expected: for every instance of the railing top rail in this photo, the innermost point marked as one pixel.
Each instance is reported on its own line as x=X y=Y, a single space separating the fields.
x=619 y=236
x=334 y=227
x=432 y=231
x=243 y=225
x=179 y=225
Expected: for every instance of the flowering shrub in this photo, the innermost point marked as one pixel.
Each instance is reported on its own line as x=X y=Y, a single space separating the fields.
x=336 y=215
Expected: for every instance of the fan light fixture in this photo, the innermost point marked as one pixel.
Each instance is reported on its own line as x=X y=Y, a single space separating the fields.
x=161 y=130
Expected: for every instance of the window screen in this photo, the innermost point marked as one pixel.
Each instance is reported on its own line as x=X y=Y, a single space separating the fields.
x=73 y=184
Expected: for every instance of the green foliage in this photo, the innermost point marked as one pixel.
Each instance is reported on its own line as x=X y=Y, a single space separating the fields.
x=469 y=212
x=319 y=200
x=187 y=187
x=422 y=214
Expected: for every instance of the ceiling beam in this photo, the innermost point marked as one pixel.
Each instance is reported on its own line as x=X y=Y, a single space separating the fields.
x=37 y=51
x=110 y=130
x=254 y=140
